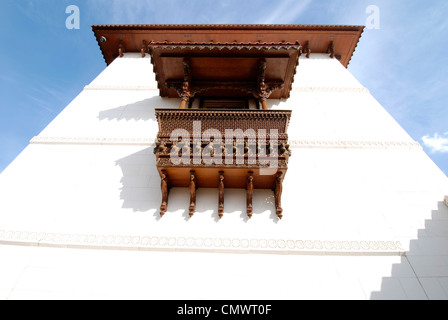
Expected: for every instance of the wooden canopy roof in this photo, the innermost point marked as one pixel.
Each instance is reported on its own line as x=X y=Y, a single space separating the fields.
x=224 y=60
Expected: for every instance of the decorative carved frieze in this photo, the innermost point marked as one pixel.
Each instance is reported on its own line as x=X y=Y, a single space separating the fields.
x=323 y=144
x=330 y=89
x=168 y=242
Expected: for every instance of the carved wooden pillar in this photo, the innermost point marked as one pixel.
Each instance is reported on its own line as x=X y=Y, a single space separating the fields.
x=165 y=192
x=193 y=187
x=264 y=91
x=261 y=84
x=264 y=104
x=278 y=189
x=185 y=94
x=250 y=191
x=221 y=194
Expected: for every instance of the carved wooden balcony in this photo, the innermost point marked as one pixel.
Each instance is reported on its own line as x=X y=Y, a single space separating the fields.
x=222 y=149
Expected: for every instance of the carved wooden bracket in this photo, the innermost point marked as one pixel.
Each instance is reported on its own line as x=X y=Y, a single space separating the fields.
x=250 y=191
x=307 y=49
x=278 y=189
x=193 y=188
x=121 y=49
x=330 y=50
x=221 y=194
x=165 y=191
x=143 y=50
x=264 y=91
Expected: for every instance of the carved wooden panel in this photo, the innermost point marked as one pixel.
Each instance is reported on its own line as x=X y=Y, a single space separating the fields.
x=251 y=156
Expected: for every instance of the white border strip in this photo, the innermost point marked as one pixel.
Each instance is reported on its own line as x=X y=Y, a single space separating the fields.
x=121 y=87
x=293 y=143
x=331 y=89
x=294 y=89
x=203 y=244
x=93 y=141
x=355 y=144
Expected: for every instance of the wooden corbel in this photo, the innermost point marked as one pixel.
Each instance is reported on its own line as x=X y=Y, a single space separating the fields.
x=193 y=187
x=121 y=49
x=262 y=94
x=165 y=191
x=330 y=50
x=250 y=191
x=278 y=189
x=186 y=93
x=143 y=49
x=221 y=194
x=307 y=49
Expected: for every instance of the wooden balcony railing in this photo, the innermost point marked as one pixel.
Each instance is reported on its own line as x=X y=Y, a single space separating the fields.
x=222 y=148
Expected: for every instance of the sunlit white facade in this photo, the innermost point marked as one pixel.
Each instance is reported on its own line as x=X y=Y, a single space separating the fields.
x=364 y=213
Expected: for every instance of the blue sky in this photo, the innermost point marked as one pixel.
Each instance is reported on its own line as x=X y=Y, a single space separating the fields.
x=44 y=65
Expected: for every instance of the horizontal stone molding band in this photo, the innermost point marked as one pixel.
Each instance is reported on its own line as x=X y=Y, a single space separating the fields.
x=93 y=141
x=412 y=145
x=205 y=244
x=331 y=89
x=120 y=87
x=294 y=89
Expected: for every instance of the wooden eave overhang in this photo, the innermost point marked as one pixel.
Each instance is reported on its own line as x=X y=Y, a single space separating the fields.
x=225 y=60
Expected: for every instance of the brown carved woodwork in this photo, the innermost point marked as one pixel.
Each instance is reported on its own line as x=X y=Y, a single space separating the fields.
x=307 y=49
x=193 y=187
x=331 y=50
x=221 y=120
x=143 y=49
x=246 y=151
x=249 y=193
x=261 y=84
x=225 y=61
x=165 y=192
x=220 y=38
x=221 y=194
x=121 y=49
x=278 y=189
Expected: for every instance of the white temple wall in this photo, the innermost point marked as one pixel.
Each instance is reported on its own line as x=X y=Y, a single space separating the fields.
x=120 y=103
x=347 y=152
x=357 y=186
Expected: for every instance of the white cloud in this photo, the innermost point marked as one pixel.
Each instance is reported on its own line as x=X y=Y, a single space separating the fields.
x=437 y=143
x=287 y=12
